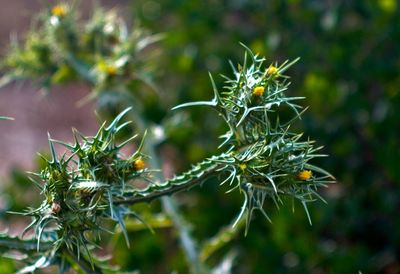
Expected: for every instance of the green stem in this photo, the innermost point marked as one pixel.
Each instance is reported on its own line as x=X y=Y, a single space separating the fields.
x=170 y=207
x=221 y=239
x=8 y=243
x=5 y=118
x=168 y=191
x=188 y=244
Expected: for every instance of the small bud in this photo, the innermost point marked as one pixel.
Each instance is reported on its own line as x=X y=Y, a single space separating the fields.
x=242 y=166
x=258 y=91
x=304 y=175
x=108 y=69
x=55 y=175
x=272 y=70
x=59 y=10
x=111 y=70
x=138 y=164
x=55 y=207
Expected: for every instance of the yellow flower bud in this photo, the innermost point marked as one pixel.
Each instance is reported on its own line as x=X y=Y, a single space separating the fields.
x=139 y=164
x=111 y=70
x=272 y=70
x=304 y=175
x=59 y=10
x=108 y=69
x=258 y=91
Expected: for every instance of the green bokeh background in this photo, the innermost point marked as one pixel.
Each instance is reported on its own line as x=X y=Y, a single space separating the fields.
x=349 y=72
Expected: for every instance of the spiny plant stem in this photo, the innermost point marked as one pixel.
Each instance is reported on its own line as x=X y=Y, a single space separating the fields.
x=169 y=191
x=19 y=244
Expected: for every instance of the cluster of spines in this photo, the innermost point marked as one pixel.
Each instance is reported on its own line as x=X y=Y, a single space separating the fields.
x=80 y=194
x=267 y=159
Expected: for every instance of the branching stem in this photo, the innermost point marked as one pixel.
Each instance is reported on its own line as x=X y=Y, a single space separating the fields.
x=169 y=191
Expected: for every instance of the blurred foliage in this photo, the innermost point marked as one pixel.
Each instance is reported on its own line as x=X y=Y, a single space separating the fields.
x=113 y=60
x=349 y=73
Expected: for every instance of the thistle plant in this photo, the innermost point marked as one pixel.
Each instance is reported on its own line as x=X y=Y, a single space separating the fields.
x=80 y=190
x=90 y=189
x=263 y=158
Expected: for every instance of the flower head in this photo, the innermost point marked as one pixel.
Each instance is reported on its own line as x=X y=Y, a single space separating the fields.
x=111 y=70
x=139 y=164
x=258 y=91
x=304 y=175
x=59 y=10
x=243 y=166
x=108 y=69
x=272 y=70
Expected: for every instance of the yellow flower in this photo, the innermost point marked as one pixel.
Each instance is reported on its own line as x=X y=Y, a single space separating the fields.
x=108 y=69
x=272 y=70
x=59 y=10
x=111 y=70
x=242 y=166
x=139 y=164
x=258 y=91
x=304 y=175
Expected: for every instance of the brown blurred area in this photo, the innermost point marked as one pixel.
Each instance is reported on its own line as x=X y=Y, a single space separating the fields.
x=34 y=112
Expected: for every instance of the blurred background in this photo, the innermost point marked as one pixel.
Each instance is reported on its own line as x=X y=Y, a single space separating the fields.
x=349 y=72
